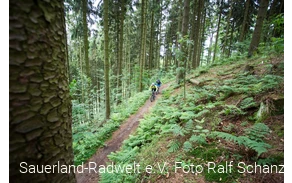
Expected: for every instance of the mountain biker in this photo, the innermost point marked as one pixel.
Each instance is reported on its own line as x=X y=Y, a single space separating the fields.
x=158 y=84
x=153 y=87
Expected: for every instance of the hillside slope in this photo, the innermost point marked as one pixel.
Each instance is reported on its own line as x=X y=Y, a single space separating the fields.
x=229 y=128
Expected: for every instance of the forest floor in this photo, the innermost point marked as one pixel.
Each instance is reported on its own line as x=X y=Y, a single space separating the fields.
x=91 y=167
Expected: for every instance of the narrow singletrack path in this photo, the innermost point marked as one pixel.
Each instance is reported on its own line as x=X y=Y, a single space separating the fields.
x=114 y=144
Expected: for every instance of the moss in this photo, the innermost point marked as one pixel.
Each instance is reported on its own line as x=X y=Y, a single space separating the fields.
x=221 y=173
x=207 y=153
x=278 y=158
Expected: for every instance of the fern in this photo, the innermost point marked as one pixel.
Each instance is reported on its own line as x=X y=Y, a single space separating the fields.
x=257 y=132
x=124 y=156
x=178 y=131
x=227 y=136
x=248 y=103
x=187 y=146
x=201 y=113
x=200 y=139
x=134 y=141
x=173 y=146
x=189 y=126
x=231 y=110
x=187 y=115
x=111 y=177
x=266 y=161
x=258 y=146
x=167 y=128
x=200 y=121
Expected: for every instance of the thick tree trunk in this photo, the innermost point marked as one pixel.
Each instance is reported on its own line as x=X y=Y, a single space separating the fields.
x=193 y=35
x=244 y=23
x=182 y=63
x=258 y=28
x=40 y=121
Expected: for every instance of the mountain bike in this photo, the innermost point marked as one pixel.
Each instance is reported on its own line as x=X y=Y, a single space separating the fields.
x=157 y=92
x=152 y=97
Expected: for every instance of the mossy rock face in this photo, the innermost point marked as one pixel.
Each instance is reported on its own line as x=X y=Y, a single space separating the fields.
x=266 y=110
x=278 y=106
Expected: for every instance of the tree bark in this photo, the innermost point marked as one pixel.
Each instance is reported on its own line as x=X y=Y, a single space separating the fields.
x=258 y=28
x=225 y=43
x=217 y=34
x=85 y=36
x=106 y=60
x=244 y=23
x=143 y=41
x=121 y=49
x=181 y=72
x=40 y=111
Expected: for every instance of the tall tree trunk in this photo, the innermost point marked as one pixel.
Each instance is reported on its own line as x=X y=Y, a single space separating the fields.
x=121 y=49
x=85 y=36
x=202 y=39
x=117 y=46
x=40 y=132
x=193 y=34
x=210 y=48
x=225 y=43
x=244 y=23
x=142 y=56
x=151 y=42
x=81 y=74
x=159 y=39
x=258 y=28
x=200 y=32
x=128 y=60
x=182 y=63
x=198 y=37
x=217 y=34
x=180 y=17
x=106 y=60
x=98 y=92
x=230 y=41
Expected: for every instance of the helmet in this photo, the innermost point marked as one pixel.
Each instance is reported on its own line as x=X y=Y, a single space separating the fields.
x=152 y=84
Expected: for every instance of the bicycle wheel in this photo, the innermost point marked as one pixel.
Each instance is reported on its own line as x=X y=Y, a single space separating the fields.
x=152 y=97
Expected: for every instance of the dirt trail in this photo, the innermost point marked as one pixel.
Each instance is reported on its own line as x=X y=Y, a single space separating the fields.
x=114 y=144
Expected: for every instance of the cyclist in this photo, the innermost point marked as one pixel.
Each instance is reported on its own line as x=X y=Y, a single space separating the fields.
x=153 y=88
x=158 y=84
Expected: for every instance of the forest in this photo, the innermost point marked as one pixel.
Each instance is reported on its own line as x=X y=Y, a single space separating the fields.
x=79 y=78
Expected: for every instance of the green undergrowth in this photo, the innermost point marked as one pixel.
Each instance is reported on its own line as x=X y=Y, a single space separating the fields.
x=89 y=137
x=216 y=122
